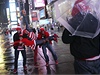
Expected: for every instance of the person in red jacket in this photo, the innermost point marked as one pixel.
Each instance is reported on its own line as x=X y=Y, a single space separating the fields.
x=47 y=44
x=31 y=42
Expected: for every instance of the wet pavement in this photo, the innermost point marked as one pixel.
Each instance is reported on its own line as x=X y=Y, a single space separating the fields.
x=65 y=59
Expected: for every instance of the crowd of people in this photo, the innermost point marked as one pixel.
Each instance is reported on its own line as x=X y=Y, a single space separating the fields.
x=24 y=38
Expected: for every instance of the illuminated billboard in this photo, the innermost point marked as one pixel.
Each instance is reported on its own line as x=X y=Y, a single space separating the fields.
x=12 y=6
x=42 y=13
x=13 y=17
x=34 y=16
x=13 y=14
x=39 y=3
x=49 y=1
x=11 y=0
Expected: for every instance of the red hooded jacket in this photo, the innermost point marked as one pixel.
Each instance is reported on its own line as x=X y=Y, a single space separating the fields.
x=46 y=35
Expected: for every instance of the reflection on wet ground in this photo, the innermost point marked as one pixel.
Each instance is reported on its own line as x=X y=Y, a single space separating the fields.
x=7 y=60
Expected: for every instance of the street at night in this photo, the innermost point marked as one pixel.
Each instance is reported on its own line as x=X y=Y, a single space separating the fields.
x=65 y=59
x=49 y=37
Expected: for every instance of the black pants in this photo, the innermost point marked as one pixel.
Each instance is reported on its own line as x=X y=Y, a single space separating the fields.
x=23 y=52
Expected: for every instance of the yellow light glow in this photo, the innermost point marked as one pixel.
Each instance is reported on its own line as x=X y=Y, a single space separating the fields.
x=1 y=48
x=1 y=55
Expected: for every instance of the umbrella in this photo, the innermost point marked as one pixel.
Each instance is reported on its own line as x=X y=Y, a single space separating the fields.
x=80 y=17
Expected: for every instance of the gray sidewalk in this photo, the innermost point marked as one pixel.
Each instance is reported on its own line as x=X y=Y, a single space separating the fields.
x=65 y=61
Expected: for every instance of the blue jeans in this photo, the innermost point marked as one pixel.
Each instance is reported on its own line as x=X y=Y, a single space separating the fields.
x=48 y=45
x=23 y=52
x=87 y=67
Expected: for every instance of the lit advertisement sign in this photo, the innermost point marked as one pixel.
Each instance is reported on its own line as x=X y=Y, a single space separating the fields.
x=11 y=0
x=42 y=13
x=12 y=7
x=44 y=21
x=49 y=1
x=49 y=11
x=39 y=3
x=34 y=16
x=13 y=17
x=13 y=13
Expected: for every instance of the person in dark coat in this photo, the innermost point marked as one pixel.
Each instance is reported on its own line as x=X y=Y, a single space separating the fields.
x=86 y=52
x=19 y=48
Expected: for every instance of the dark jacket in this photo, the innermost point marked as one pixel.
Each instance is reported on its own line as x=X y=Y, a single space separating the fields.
x=80 y=47
x=16 y=38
